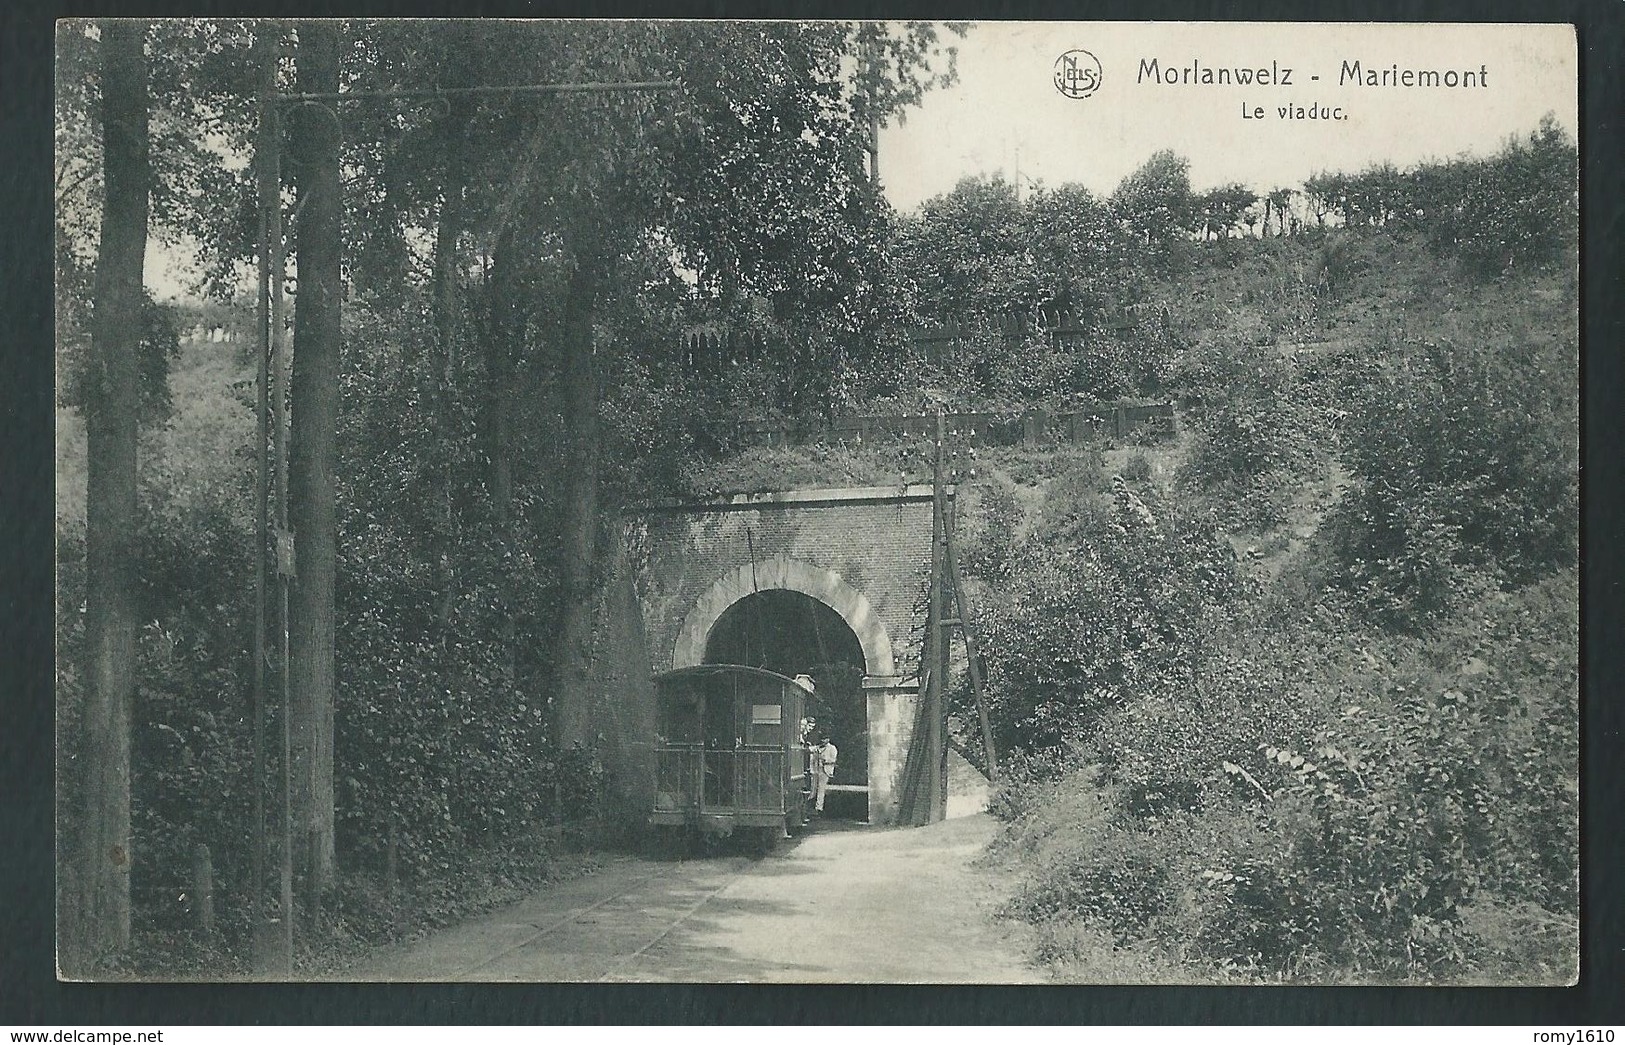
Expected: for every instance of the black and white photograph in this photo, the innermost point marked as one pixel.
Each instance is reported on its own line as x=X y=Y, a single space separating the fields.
x=876 y=502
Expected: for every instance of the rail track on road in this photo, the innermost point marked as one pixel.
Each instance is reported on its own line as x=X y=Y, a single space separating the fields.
x=838 y=905
x=734 y=868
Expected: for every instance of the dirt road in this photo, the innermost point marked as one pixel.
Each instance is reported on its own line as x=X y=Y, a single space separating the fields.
x=840 y=904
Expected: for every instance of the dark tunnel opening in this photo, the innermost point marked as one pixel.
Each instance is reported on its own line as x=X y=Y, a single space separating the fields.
x=795 y=634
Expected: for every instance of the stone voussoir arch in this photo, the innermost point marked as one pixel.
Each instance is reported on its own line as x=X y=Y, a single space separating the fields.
x=783 y=572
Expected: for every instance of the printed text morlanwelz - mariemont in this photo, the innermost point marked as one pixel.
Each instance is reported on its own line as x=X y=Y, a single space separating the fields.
x=1352 y=72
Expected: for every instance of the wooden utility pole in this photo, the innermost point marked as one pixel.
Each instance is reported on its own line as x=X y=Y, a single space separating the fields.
x=284 y=573
x=973 y=660
x=937 y=649
x=273 y=939
x=264 y=61
x=267 y=183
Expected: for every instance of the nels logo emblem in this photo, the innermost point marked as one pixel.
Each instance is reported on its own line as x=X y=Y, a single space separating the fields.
x=1077 y=74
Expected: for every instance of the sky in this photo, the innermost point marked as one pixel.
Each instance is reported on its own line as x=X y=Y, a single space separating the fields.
x=1005 y=111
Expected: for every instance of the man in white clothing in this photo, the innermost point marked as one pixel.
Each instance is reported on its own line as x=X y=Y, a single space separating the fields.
x=826 y=753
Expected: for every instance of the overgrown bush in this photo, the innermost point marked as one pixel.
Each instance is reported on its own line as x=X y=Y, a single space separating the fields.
x=191 y=741
x=1164 y=753
x=1138 y=468
x=1464 y=455
x=1028 y=779
x=1260 y=431
x=1430 y=807
x=1100 y=610
x=991 y=365
x=442 y=716
x=1513 y=211
x=1108 y=879
x=1454 y=786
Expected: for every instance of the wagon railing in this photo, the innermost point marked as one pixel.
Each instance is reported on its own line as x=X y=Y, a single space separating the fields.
x=745 y=779
x=678 y=774
x=760 y=779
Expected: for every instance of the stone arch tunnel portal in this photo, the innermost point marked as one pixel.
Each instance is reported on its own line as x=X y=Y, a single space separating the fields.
x=794 y=634
x=822 y=582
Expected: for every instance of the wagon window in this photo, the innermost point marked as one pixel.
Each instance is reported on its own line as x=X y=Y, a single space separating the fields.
x=765 y=724
x=680 y=714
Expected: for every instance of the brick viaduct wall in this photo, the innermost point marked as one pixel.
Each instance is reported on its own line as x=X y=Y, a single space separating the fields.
x=865 y=552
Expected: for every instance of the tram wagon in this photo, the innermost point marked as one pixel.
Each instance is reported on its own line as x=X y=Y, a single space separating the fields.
x=730 y=754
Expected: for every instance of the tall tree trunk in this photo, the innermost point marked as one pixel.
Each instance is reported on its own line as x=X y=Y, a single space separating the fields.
x=314 y=155
x=501 y=348
x=110 y=427
x=447 y=312
x=874 y=151
x=448 y=227
x=503 y=343
x=872 y=144
x=580 y=388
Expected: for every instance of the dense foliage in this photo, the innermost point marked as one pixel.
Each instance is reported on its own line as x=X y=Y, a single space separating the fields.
x=1046 y=294
x=444 y=740
x=1358 y=756
x=1514 y=210
x=1099 y=611
x=1404 y=811
x=1464 y=454
x=1259 y=434
x=986 y=260
x=192 y=740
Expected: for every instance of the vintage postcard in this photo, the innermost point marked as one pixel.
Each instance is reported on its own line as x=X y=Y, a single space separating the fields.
x=801 y=501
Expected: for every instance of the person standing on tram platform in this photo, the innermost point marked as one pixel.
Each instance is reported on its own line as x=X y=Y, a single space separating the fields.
x=826 y=755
